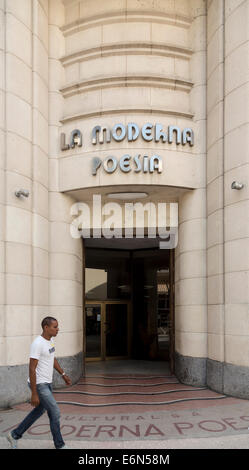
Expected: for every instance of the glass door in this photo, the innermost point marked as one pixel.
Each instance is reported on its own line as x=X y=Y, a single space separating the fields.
x=93 y=327
x=116 y=330
x=108 y=326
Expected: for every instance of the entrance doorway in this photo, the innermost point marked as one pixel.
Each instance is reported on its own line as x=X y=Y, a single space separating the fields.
x=129 y=300
x=108 y=330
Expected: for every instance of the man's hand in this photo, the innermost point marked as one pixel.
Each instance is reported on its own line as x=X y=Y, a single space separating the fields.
x=57 y=367
x=67 y=379
x=35 y=400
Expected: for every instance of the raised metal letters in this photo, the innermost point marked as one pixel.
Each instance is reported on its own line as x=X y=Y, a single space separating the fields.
x=146 y=164
x=156 y=164
x=132 y=131
x=115 y=135
x=76 y=138
x=127 y=163
x=159 y=133
x=98 y=135
x=138 y=163
x=148 y=132
x=63 y=145
x=188 y=136
x=96 y=163
x=178 y=134
x=110 y=169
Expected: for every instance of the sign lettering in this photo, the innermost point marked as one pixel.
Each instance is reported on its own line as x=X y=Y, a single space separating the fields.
x=119 y=132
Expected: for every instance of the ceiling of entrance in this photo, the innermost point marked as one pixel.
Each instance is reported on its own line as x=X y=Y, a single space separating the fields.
x=123 y=243
x=156 y=193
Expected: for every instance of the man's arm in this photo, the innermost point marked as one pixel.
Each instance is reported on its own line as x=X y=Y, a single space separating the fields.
x=32 y=377
x=60 y=370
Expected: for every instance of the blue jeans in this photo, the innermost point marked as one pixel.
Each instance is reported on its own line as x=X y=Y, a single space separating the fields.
x=47 y=403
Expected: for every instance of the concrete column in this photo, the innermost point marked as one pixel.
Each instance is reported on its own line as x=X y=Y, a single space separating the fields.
x=215 y=193
x=190 y=293
x=65 y=264
x=236 y=211
x=16 y=226
x=2 y=192
x=228 y=223
x=40 y=240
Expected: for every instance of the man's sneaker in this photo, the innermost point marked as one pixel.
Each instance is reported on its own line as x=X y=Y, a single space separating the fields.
x=12 y=441
x=65 y=447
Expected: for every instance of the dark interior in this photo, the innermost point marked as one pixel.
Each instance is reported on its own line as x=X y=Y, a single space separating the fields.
x=138 y=271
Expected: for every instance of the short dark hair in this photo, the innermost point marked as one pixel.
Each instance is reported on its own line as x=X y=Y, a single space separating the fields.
x=47 y=321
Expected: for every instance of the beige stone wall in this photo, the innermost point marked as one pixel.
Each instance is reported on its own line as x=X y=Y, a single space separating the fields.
x=227 y=160
x=65 y=263
x=190 y=259
x=86 y=63
x=236 y=167
x=215 y=180
x=25 y=223
x=130 y=61
x=2 y=192
x=70 y=64
x=41 y=269
x=144 y=62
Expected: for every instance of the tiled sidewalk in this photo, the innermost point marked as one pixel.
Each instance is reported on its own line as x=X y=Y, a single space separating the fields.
x=107 y=406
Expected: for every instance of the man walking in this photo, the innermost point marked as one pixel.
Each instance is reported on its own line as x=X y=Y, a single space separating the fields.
x=41 y=365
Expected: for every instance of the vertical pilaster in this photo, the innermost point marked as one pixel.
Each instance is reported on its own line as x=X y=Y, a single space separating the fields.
x=191 y=289
x=16 y=225
x=215 y=193
x=236 y=203
x=65 y=263
x=228 y=222
x=2 y=180
x=40 y=241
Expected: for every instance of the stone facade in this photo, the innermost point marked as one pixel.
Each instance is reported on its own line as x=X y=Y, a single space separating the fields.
x=70 y=64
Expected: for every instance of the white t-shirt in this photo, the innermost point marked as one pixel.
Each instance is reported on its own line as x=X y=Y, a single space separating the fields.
x=43 y=350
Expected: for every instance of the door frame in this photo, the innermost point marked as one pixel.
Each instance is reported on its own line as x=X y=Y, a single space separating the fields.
x=172 y=311
x=103 y=304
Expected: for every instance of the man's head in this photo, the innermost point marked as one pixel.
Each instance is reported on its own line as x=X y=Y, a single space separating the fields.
x=50 y=326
